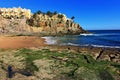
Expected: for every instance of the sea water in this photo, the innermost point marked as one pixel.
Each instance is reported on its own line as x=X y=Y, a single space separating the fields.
x=97 y=38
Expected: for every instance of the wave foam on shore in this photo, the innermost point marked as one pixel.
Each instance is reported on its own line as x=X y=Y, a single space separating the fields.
x=49 y=40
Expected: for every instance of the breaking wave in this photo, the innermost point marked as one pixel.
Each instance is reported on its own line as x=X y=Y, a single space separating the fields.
x=87 y=34
x=50 y=40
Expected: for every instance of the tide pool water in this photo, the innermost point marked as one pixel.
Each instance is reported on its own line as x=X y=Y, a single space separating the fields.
x=97 y=38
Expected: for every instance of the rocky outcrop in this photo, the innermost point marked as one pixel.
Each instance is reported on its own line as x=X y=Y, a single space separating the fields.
x=55 y=26
x=8 y=26
x=45 y=24
x=98 y=53
x=59 y=62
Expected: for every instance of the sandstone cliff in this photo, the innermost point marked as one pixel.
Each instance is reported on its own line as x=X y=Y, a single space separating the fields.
x=40 y=23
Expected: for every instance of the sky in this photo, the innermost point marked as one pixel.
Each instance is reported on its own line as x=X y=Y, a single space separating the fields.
x=90 y=14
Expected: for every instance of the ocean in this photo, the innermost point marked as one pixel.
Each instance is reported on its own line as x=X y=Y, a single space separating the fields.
x=97 y=38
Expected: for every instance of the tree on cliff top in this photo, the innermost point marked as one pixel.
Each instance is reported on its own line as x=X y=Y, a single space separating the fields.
x=55 y=13
x=50 y=14
x=39 y=12
x=72 y=17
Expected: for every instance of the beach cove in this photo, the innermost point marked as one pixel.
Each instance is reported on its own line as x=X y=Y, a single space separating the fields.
x=53 y=46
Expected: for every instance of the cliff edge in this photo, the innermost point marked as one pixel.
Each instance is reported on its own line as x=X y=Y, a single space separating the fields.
x=50 y=23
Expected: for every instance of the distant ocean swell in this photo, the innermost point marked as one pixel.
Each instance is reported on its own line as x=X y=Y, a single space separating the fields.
x=113 y=34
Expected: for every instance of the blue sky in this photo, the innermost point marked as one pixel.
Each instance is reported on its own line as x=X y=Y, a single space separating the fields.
x=90 y=14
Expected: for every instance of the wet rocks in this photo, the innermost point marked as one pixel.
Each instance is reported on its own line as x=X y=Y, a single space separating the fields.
x=105 y=54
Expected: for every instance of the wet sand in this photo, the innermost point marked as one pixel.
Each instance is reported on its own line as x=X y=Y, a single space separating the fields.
x=7 y=42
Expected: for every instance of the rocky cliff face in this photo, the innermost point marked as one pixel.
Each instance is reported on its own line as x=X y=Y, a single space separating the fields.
x=44 y=24
x=55 y=24
x=8 y=26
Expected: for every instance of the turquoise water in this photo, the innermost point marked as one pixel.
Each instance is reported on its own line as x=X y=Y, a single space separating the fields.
x=97 y=38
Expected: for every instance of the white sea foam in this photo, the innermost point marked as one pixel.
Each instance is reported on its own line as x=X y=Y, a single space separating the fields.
x=101 y=46
x=50 y=40
x=72 y=44
x=106 y=46
x=86 y=34
x=94 y=45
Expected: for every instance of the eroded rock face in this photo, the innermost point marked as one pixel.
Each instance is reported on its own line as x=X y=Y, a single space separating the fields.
x=41 y=24
x=56 y=27
x=13 y=26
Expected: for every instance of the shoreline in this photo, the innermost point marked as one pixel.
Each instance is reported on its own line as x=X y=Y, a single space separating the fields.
x=16 y=42
x=51 y=41
x=33 y=42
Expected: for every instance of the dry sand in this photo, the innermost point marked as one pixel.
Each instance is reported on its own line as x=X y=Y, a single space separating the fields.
x=16 y=42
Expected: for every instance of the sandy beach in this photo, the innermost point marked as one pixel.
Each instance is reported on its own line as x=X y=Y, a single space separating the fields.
x=7 y=42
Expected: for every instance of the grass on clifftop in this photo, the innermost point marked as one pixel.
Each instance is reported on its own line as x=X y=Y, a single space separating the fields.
x=70 y=66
